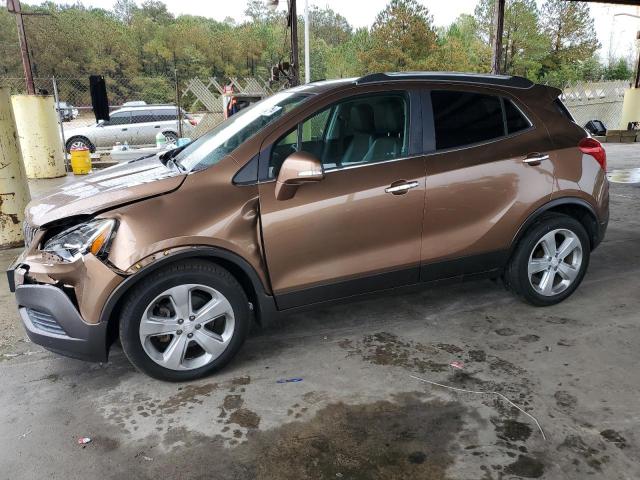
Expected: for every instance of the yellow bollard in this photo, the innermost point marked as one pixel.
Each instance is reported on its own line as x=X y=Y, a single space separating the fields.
x=80 y=160
x=14 y=191
x=40 y=142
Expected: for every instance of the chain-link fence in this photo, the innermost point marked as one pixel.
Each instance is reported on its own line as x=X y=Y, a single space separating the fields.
x=142 y=107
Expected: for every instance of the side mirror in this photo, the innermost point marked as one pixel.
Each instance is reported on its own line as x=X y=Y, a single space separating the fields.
x=100 y=123
x=298 y=168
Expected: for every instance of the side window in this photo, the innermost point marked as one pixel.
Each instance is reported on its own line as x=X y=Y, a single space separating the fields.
x=120 y=118
x=165 y=115
x=516 y=121
x=463 y=118
x=359 y=131
x=141 y=116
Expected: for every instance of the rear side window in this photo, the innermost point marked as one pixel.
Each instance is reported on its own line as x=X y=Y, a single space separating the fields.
x=516 y=121
x=166 y=114
x=463 y=118
x=563 y=110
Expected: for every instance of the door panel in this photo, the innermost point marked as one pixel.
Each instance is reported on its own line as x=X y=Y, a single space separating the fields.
x=342 y=228
x=115 y=130
x=478 y=197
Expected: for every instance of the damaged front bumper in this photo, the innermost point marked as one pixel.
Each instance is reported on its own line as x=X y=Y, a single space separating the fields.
x=60 y=303
x=52 y=321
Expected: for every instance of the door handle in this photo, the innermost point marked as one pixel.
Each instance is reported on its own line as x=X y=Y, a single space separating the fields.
x=535 y=158
x=125 y=129
x=156 y=126
x=401 y=188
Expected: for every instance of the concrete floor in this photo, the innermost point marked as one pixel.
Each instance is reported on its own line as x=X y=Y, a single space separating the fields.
x=358 y=413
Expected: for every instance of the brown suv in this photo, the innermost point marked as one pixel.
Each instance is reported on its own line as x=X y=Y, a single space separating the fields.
x=318 y=193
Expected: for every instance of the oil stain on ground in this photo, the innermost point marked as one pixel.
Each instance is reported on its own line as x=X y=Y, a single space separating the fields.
x=402 y=438
x=385 y=348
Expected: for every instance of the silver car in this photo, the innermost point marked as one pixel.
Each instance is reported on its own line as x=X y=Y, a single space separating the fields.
x=134 y=125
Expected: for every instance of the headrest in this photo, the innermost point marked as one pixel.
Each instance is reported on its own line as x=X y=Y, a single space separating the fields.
x=389 y=117
x=362 y=118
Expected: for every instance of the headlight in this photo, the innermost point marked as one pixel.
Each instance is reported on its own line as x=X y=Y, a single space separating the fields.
x=94 y=236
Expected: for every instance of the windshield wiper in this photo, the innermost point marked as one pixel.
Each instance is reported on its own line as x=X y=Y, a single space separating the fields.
x=166 y=157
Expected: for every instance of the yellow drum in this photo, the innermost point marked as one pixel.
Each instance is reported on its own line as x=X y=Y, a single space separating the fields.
x=80 y=160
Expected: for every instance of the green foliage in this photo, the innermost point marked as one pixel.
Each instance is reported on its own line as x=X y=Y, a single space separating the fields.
x=570 y=30
x=141 y=40
x=618 y=70
x=402 y=37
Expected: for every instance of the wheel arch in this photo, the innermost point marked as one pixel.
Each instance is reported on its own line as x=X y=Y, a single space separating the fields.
x=573 y=207
x=263 y=303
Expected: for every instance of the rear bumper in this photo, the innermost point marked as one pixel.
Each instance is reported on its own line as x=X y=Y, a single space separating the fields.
x=52 y=321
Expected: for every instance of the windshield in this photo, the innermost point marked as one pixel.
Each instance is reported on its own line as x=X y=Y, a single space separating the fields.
x=213 y=146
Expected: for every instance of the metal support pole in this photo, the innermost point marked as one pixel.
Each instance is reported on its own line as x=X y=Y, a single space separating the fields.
x=178 y=100
x=56 y=98
x=498 y=26
x=307 y=55
x=295 y=63
x=15 y=7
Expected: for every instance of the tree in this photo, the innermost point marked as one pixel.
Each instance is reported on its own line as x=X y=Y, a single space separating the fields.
x=571 y=31
x=343 y=61
x=402 y=37
x=329 y=26
x=460 y=47
x=259 y=11
x=138 y=45
x=524 y=45
x=618 y=70
x=124 y=10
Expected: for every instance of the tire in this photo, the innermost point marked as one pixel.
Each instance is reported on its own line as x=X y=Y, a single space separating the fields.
x=172 y=137
x=148 y=307
x=80 y=142
x=556 y=277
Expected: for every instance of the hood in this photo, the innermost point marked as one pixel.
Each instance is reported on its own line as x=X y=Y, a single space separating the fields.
x=107 y=189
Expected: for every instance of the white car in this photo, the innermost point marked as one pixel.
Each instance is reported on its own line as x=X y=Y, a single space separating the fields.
x=134 y=125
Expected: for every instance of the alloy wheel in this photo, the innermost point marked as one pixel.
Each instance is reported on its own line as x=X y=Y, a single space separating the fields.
x=187 y=327
x=79 y=144
x=554 y=262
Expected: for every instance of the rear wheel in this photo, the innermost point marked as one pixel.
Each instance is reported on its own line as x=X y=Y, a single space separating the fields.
x=550 y=261
x=185 y=321
x=172 y=137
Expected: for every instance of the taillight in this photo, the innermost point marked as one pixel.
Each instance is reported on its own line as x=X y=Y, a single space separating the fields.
x=591 y=146
x=193 y=122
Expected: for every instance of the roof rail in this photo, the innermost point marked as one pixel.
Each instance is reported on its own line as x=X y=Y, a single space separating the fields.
x=475 y=78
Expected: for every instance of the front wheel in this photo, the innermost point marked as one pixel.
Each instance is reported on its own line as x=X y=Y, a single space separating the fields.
x=79 y=142
x=185 y=321
x=550 y=261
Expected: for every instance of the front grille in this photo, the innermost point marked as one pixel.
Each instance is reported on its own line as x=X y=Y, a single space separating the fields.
x=29 y=232
x=44 y=321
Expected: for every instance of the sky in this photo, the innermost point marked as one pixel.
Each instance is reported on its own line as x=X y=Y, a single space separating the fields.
x=616 y=34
